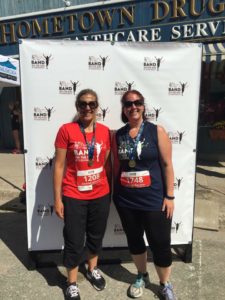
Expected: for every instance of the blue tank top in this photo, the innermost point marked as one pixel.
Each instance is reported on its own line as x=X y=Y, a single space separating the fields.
x=145 y=198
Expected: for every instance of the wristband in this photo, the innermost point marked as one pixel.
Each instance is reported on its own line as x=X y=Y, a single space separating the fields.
x=169 y=197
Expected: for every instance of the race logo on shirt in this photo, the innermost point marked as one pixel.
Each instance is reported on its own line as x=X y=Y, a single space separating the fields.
x=42 y=163
x=45 y=210
x=41 y=61
x=68 y=87
x=153 y=114
x=152 y=64
x=97 y=62
x=43 y=114
x=118 y=229
x=125 y=147
x=81 y=151
x=176 y=137
x=177 y=89
x=101 y=114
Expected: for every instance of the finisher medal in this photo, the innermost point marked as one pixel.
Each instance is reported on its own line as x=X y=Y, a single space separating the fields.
x=132 y=163
x=90 y=162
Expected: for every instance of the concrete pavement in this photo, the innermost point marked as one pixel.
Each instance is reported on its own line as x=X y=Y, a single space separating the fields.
x=200 y=280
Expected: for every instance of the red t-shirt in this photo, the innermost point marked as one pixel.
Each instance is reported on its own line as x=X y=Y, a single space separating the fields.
x=80 y=180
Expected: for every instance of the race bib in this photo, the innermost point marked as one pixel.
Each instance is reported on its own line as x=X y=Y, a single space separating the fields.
x=87 y=178
x=137 y=179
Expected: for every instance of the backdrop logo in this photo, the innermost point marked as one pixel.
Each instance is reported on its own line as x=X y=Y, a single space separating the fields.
x=97 y=63
x=45 y=209
x=8 y=70
x=118 y=229
x=43 y=114
x=176 y=137
x=153 y=114
x=41 y=162
x=152 y=64
x=130 y=85
x=68 y=87
x=177 y=183
x=41 y=61
x=176 y=226
x=177 y=89
x=101 y=114
x=120 y=88
x=75 y=84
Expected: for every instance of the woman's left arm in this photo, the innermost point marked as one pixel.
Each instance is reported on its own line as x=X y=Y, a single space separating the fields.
x=165 y=150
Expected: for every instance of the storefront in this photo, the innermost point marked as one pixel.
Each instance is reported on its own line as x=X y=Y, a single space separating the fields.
x=212 y=103
x=140 y=21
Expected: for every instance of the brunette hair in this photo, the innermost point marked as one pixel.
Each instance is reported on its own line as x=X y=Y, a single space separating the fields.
x=84 y=92
x=123 y=100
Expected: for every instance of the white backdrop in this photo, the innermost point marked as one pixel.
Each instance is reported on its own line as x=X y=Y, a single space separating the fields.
x=53 y=72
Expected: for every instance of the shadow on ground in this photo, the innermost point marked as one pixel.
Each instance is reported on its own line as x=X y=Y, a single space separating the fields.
x=14 y=205
x=209 y=172
x=207 y=163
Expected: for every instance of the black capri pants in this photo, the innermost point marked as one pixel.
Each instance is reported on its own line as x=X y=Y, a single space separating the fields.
x=84 y=225
x=157 y=229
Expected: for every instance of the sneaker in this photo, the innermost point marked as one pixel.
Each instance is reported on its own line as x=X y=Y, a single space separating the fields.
x=72 y=292
x=96 y=279
x=166 y=292
x=136 y=289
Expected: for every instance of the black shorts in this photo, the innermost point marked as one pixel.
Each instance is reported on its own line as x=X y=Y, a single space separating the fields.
x=15 y=122
x=157 y=229
x=84 y=226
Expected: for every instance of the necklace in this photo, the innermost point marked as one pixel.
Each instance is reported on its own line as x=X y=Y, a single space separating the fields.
x=91 y=145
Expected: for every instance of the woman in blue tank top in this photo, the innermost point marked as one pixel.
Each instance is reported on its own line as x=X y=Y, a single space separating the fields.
x=144 y=192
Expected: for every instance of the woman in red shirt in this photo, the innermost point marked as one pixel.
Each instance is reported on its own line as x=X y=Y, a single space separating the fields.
x=81 y=189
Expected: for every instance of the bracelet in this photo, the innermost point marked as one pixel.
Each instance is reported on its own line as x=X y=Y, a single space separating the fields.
x=169 y=197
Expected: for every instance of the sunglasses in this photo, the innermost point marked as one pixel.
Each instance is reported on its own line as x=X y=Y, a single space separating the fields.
x=84 y=104
x=137 y=103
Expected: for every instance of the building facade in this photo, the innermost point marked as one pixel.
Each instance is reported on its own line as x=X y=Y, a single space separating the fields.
x=133 y=21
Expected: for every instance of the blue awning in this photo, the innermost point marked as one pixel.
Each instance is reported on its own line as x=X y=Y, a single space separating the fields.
x=213 y=52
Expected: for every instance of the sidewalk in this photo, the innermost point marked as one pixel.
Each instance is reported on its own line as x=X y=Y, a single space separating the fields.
x=210 y=194
x=200 y=280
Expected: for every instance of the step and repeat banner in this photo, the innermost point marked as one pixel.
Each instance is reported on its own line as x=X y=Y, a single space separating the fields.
x=54 y=71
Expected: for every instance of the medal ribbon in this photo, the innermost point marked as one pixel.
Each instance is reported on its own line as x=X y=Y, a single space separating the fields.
x=91 y=145
x=132 y=154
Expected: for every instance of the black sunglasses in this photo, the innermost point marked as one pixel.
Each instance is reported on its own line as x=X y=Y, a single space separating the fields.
x=84 y=104
x=138 y=102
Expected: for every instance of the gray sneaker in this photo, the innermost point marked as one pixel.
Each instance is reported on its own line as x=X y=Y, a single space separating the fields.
x=136 y=289
x=166 y=292
x=96 y=279
x=72 y=292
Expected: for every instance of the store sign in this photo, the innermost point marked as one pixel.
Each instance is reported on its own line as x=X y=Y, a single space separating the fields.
x=149 y=20
x=9 y=71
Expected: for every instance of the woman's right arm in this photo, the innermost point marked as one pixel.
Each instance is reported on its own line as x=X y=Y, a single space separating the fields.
x=60 y=159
